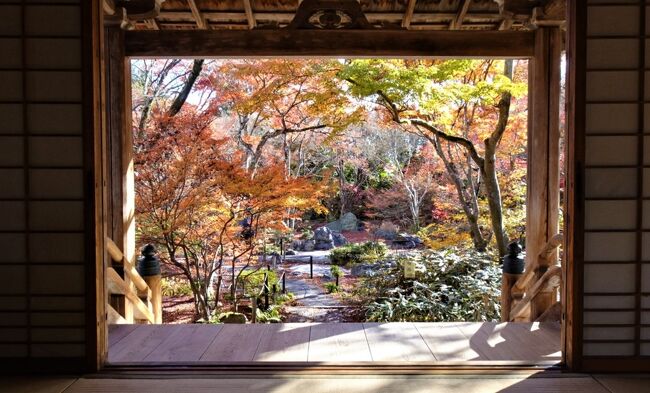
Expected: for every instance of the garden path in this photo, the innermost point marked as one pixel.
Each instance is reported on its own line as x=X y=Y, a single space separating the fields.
x=313 y=303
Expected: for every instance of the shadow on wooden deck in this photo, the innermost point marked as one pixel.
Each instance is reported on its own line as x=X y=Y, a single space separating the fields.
x=533 y=344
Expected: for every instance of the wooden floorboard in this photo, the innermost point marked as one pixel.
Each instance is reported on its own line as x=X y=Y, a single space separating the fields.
x=357 y=384
x=284 y=342
x=338 y=342
x=235 y=343
x=185 y=344
x=560 y=383
x=140 y=343
x=446 y=341
x=527 y=343
x=396 y=342
x=118 y=332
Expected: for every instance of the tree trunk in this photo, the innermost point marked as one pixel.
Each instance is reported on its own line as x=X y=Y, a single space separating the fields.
x=342 y=199
x=489 y=171
x=480 y=244
x=187 y=88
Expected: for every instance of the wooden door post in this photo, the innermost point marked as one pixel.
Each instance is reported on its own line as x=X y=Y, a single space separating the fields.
x=120 y=182
x=543 y=156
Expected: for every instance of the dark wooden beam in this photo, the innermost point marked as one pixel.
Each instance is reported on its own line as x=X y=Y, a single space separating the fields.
x=553 y=13
x=555 y=9
x=519 y=7
x=352 y=43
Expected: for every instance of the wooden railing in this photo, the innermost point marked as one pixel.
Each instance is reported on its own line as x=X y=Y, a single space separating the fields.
x=140 y=304
x=534 y=294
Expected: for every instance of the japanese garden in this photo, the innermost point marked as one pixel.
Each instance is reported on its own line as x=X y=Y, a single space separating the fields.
x=330 y=190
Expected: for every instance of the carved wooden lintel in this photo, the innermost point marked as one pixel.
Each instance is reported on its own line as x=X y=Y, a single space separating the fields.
x=330 y=15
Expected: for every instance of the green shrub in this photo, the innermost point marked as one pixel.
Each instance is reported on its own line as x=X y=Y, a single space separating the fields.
x=272 y=315
x=336 y=271
x=269 y=249
x=282 y=298
x=306 y=234
x=331 y=287
x=351 y=254
x=451 y=285
x=175 y=286
x=252 y=282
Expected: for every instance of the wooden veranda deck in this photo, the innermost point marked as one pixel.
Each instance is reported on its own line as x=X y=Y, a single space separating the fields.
x=453 y=342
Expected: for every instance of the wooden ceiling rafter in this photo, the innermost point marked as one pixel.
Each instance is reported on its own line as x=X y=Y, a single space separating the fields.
x=408 y=14
x=464 y=15
x=507 y=22
x=463 y=8
x=152 y=24
x=250 y=16
x=201 y=23
x=286 y=17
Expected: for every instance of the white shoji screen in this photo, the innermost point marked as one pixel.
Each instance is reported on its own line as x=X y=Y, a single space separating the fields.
x=616 y=319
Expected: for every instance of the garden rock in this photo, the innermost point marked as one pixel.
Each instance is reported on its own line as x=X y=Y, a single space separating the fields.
x=387 y=231
x=323 y=239
x=290 y=252
x=234 y=317
x=298 y=244
x=309 y=245
x=407 y=241
x=348 y=222
x=339 y=239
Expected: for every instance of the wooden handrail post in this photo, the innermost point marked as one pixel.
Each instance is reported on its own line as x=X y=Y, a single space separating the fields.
x=513 y=265
x=149 y=269
x=547 y=259
x=508 y=280
x=155 y=283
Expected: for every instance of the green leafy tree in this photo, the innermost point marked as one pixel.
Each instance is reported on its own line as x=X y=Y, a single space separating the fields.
x=441 y=100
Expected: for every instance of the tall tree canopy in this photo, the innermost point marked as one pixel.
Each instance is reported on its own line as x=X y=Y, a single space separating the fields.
x=441 y=100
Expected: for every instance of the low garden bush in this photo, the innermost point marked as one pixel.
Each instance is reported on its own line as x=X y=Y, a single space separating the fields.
x=252 y=282
x=175 y=286
x=331 y=287
x=271 y=315
x=450 y=285
x=351 y=254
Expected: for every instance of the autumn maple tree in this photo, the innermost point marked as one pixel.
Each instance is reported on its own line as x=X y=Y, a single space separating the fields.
x=199 y=204
x=278 y=99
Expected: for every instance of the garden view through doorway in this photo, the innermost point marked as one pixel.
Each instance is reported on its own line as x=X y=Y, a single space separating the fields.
x=334 y=210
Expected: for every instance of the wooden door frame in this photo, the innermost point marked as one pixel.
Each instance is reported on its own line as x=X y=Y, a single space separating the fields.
x=535 y=46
